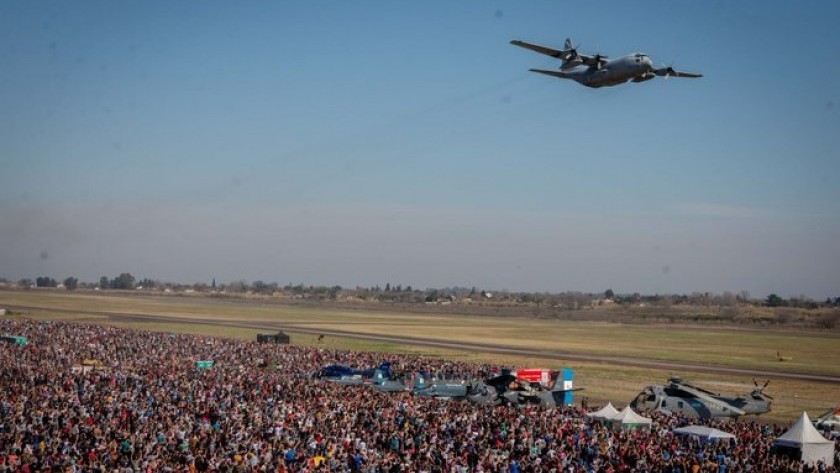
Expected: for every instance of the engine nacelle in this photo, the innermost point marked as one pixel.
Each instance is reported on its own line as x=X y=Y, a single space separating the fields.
x=571 y=63
x=642 y=78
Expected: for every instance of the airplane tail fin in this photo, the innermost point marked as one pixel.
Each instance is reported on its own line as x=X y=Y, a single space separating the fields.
x=385 y=368
x=564 y=381
x=420 y=381
x=563 y=387
x=378 y=377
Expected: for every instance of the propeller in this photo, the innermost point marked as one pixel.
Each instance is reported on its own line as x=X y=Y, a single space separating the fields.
x=760 y=390
x=599 y=61
x=572 y=58
x=573 y=53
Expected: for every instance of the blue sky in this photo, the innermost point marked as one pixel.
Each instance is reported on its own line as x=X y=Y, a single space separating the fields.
x=372 y=142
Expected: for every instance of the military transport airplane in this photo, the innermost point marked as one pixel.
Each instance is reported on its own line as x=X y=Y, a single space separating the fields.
x=505 y=388
x=600 y=71
x=445 y=389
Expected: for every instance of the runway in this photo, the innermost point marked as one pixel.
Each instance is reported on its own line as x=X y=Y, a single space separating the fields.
x=471 y=347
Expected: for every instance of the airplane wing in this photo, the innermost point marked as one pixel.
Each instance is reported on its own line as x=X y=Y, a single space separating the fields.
x=592 y=61
x=690 y=75
x=501 y=381
x=541 y=49
x=559 y=74
x=670 y=72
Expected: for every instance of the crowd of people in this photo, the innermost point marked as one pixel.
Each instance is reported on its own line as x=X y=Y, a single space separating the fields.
x=142 y=405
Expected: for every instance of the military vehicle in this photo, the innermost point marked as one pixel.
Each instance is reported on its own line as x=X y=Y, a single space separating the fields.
x=443 y=389
x=682 y=397
x=346 y=375
x=600 y=71
x=506 y=389
x=829 y=421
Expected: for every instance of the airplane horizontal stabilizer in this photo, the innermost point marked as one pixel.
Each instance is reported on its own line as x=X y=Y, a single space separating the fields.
x=558 y=74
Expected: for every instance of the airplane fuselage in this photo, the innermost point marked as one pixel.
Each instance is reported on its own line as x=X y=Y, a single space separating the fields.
x=634 y=67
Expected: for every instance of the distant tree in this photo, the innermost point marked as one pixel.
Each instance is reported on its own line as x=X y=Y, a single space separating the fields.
x=213 y=286
x=261 y=287
x=774 y=301
x=45 y=281
x=200 y=287
x=147 y=283
x=237 y=286
x=71 y=283
x=609 y=294
x=104 y=283
x=123 y=281
x=387 y=287
x=25 y=283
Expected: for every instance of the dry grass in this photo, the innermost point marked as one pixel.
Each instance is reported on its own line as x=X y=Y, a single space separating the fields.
x=809 y=351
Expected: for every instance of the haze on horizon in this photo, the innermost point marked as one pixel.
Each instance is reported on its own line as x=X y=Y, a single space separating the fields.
x=408 y=143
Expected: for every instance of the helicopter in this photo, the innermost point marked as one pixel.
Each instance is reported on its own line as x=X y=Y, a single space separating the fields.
x=682 y=397
x=830 y=421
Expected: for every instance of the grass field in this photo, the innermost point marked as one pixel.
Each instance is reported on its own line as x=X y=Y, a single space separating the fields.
x=811 y=352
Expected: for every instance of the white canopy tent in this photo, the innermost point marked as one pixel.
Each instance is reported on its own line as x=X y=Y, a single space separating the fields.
x=812 y=446
x=707 y=434
x=604 y=413
x=628 y=419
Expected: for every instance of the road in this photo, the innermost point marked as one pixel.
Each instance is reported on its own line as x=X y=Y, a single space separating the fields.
x=472 y=347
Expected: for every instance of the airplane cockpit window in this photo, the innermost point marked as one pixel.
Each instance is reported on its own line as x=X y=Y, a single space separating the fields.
x=644 y=397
